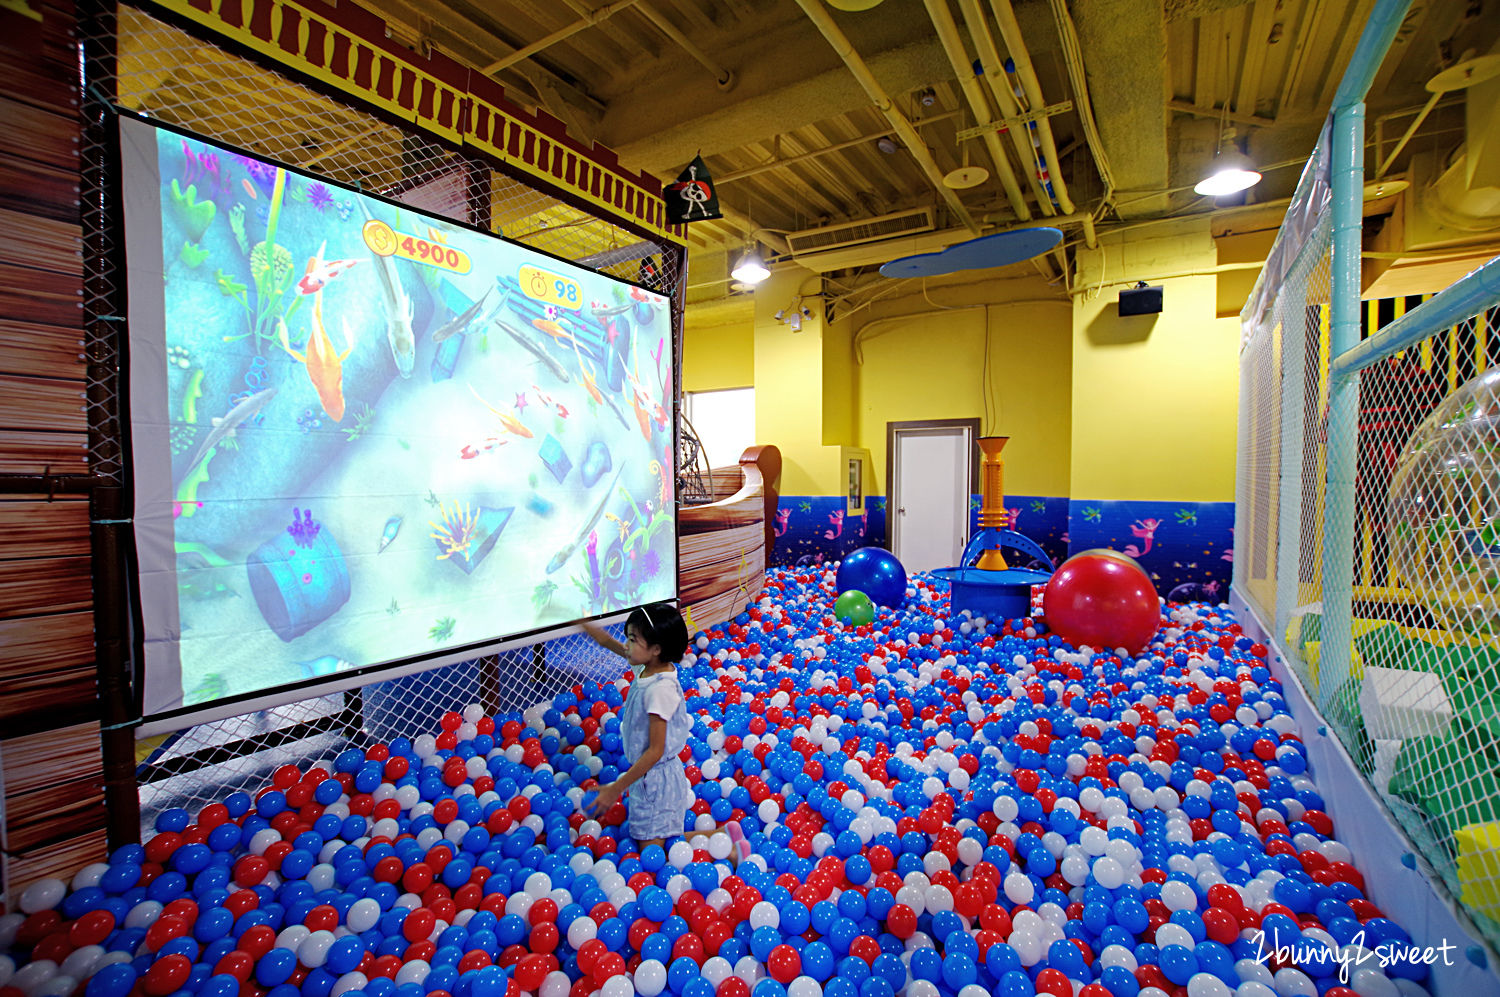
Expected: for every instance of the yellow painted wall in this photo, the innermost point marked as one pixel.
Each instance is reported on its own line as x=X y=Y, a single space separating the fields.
x=718 y=347
x=789 y=390
x=1097 y=407
x=924 y=358
x=1154 y=397
x=838 y=384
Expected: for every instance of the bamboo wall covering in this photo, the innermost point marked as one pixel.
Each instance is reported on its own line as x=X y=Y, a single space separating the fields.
x=51 y=797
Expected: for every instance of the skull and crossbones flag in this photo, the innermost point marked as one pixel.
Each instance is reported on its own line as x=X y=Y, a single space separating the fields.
x=691 y=198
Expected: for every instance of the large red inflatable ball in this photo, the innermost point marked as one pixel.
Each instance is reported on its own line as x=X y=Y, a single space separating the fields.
x=1104 y=600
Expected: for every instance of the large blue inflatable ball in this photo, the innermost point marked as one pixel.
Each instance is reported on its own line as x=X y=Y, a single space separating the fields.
x=876 y=573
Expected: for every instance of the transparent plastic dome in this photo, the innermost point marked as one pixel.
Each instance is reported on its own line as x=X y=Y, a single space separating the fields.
x=1444 y=511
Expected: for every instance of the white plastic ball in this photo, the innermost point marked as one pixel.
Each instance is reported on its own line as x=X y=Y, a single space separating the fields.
x=1369 y=981
x=1171 y=933
x=349 y=983
x=145 y=913
x=58 y=986
x=765 y=915
x=1253 y=988
x=970 y=852
x=292 y=936
x=1028 y=947
x=617 y=986
x=32 y=976
x=1207 y=985
x=313 y=951
x=520 y=903
x=414 y=971
x=79 y=964
x=748 y=969
x=938 y=898
x=1108 y=872
x=89 y=875
x=1295 y=983
x=680 y=854
x=44 y=894
x=715 y=970
x=363 y=915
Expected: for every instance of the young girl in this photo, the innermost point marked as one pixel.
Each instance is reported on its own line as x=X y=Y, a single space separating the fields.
x=654 y=724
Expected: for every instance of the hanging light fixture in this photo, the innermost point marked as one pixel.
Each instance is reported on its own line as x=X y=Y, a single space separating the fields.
x=1232 y=171
x=750 y=268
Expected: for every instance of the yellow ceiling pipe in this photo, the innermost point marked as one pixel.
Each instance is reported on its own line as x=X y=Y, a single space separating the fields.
x=994 y=78
x=845 y=50
x=947 y=31
x=587 y=21
x=1010 y=31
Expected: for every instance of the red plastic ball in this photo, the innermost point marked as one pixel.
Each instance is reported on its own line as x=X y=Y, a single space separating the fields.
x=1102 y=599
x=784 y=964
x=163 y=930
x=531 y=971
x=1054 y=982
x=167 y=974
x=92 y=928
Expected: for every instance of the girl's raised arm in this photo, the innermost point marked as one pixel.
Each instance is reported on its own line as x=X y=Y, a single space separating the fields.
x=603 y=639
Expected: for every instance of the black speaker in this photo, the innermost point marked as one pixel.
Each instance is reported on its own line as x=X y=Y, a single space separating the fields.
x=1140 y=301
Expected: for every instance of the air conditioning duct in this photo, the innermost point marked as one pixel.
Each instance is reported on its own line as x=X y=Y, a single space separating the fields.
x=866 y=230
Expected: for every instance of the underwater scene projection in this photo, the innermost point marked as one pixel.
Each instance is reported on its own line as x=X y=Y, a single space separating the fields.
x=363 y=434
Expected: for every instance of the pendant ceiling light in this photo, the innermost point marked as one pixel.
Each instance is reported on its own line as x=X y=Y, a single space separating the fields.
x=750 y=268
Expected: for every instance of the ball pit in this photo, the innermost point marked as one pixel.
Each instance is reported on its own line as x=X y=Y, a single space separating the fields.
x=936 y=808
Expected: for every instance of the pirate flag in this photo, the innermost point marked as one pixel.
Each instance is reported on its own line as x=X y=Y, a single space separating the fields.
x=692 y=197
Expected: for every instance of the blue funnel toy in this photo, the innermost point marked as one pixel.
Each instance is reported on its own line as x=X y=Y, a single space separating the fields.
x=995 y=595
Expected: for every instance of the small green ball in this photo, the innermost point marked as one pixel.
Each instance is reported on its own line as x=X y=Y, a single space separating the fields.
x=854 y=607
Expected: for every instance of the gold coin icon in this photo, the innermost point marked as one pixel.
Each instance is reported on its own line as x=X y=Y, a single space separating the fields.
x=379 y=237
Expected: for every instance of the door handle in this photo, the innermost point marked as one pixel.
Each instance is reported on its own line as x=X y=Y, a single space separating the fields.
x=901 y=510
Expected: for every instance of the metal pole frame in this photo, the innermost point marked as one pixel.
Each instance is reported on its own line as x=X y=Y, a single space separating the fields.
x=1347 y=176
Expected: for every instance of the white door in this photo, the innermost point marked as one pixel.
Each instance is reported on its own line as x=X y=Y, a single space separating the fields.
x=929 y=510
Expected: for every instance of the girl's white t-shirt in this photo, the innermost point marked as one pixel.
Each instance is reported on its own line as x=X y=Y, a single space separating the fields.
x=660 y=693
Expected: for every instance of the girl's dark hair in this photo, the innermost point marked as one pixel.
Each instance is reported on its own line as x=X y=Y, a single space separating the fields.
x=661 y=624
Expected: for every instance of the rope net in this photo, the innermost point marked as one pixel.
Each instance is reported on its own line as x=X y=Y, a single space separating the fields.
x=1416 y=702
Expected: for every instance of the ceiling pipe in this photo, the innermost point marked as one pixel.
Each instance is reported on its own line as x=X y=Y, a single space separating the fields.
x=764 y=236
x=882 y=101
x=802 y=157
x=1067 y=33
x=947 y=31
x=723 y=77
x=1010 y=31
x=561 y=34
x=994 y=78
